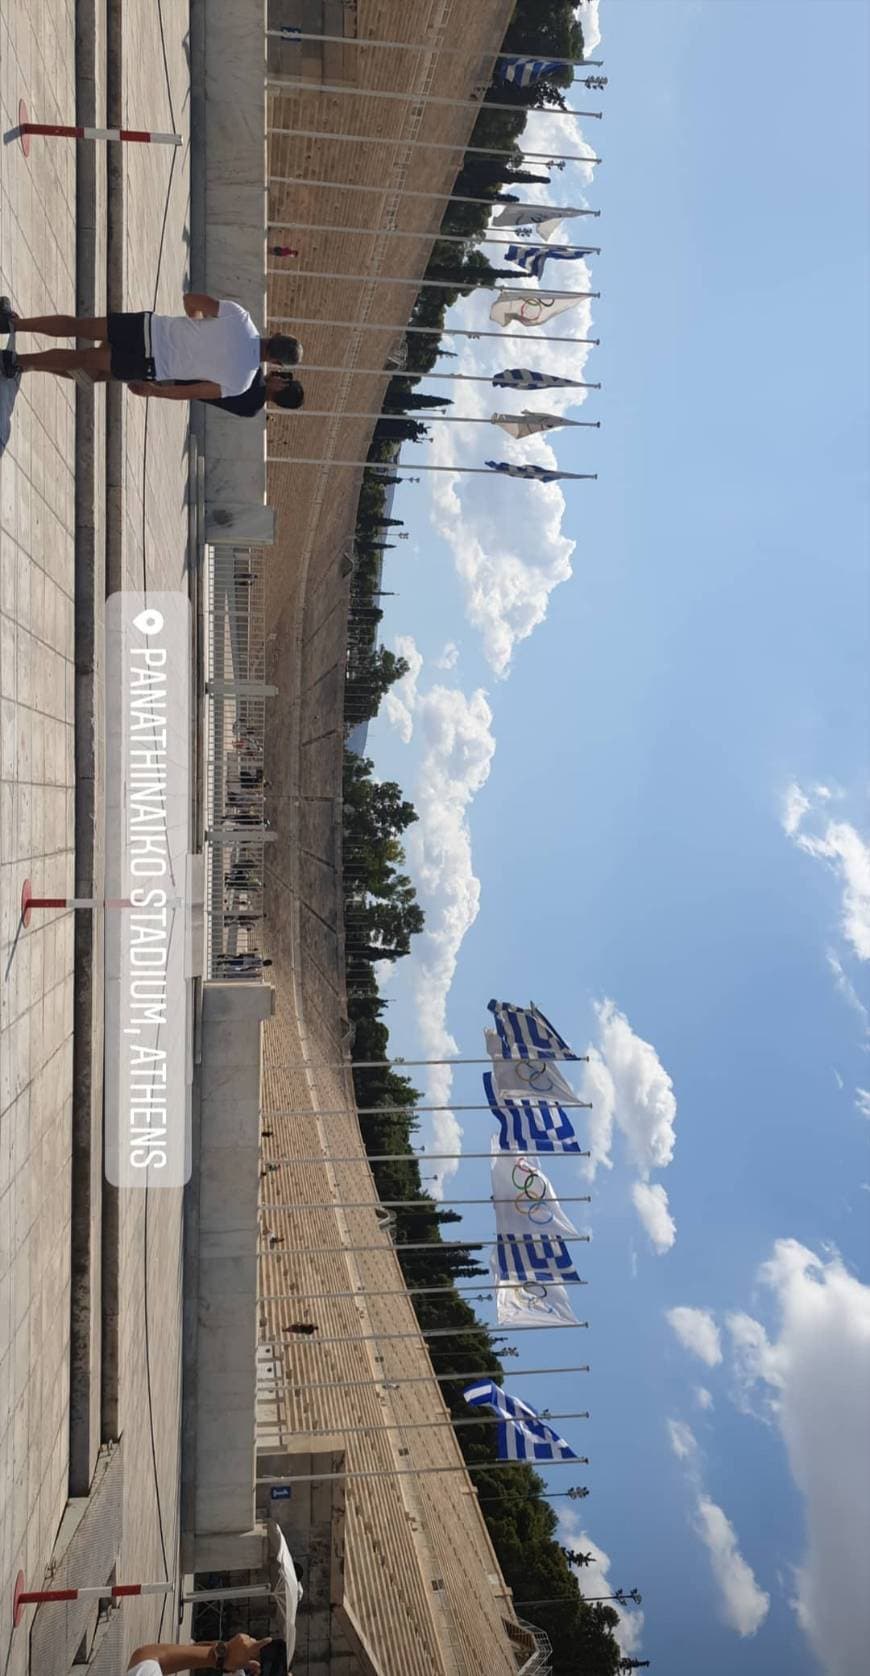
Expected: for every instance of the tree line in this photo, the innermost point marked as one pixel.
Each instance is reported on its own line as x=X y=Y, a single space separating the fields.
x=382 y=914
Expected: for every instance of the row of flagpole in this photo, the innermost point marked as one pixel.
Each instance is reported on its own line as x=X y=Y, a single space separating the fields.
x=529 y=1270
x=509 y=1414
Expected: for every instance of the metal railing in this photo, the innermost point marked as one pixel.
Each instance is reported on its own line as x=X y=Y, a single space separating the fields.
x=237 y=828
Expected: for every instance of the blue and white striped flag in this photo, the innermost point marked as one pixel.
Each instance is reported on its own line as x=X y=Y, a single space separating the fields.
x=521 y=1435
x=524 y=1032
x=290 y=32
x=530 y=1125
x=523 y=378
x=534 y=474
x=533 y=258
x=528 y=1259
x=525 y=72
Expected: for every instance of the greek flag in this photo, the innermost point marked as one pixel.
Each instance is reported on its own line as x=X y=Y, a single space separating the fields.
x=530 y=1125
x=536 y=474
x=525 y=72
x=523 y=378
x=524 y=1032
x=535 y=1264
x=521 y=1435
x=289 y=33
x=533 y=258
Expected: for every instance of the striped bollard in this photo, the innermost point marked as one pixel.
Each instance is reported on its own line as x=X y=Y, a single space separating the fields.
x=74 y=131
x=99 y=1591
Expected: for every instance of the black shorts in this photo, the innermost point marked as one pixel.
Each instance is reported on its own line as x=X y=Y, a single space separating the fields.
x=130 y=344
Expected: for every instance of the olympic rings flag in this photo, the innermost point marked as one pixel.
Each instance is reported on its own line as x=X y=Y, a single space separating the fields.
x=531 y=1262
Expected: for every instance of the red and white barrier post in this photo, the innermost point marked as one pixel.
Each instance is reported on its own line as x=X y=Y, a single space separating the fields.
x=99 y=1591
x=73 y=131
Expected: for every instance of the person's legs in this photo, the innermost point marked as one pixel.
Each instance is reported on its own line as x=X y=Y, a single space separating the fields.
x=63 y=326
x=94 y=361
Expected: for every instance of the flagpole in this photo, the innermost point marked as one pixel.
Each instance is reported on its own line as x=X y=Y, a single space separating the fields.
x=404 y=1291
x=418 y=1472
x=545 y=157
x=310 y=1342
x=281 y=84
x=408 y=1379
x=424 y=417
x=410 y=1425
x=457 y=377
x=413 y=233
x=426 y=331
x=418 y=1064
x=275 y=1164
x=458 y=284
x=416 y=1245
x=464 y=471
x=416 y=1204
x=412 y=1110
x=556 y=212
x=289 y=33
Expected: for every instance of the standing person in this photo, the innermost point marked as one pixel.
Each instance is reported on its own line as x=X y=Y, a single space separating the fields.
x=302 y=1329
x=211 y=352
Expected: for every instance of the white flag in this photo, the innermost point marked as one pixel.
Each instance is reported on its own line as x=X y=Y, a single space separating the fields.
x=526 y=423
x=546 y=217
x=528 y=308
x=527 y=1079
x=532 y=1305
x=531 y=1260
x=524 y=1200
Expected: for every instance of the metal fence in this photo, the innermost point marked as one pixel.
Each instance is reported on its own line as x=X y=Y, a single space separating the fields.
x=237 y=828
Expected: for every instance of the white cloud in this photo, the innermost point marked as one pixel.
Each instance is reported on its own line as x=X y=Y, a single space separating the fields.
x=795 y=805
x=845 y=987
x=862 y=1101
x=586 y=13
x=703 y=1397
x=744 y=1605
x=697 y=1332
x=632 y=1092
x=839 y=1080
x=449 y=656
x=683 y=1440
x=507 y=541
x=651 y=1204
x=848 y=855
x=813 y=1376
x=458 y=747
x=595 y=1579
x=399 y=703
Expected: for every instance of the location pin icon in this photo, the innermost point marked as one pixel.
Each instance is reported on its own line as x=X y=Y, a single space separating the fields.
x=148 y=622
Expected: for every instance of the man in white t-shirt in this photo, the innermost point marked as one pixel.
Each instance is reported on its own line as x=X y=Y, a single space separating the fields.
x=165 y=1658
x=211 y=352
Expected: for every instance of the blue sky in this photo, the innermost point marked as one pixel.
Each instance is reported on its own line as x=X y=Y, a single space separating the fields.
x=641 y=766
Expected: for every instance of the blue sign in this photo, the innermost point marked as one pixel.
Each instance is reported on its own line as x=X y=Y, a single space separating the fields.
x=282 y=1492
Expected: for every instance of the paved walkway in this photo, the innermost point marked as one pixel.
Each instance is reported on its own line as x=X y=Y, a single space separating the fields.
x=37 y=562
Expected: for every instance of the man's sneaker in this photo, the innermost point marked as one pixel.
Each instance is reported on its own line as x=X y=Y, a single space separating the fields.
x=9 y=364
x=7 y=318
